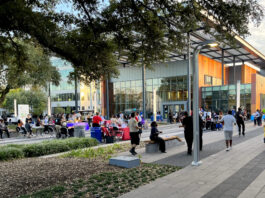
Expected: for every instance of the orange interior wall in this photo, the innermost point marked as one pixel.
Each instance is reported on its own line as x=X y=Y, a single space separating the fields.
x=246 y=74
x=208 y=67
x=258 y=85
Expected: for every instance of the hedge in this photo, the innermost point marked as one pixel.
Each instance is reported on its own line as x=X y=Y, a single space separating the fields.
x=15 y=151
x=8 y=153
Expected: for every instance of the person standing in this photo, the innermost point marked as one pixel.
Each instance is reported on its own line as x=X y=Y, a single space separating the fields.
x=240 y=121
x=170 y=116
x=201 y=126
x=188 y=131
x=229 y=121
x=256 y=117
x=134 y=133
x=154 y=137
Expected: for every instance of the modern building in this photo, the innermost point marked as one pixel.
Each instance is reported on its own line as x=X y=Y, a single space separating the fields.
x=63 y=96
x=229 y=77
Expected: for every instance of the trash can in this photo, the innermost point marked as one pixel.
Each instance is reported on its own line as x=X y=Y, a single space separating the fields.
x=79 y=131
x=96 y=133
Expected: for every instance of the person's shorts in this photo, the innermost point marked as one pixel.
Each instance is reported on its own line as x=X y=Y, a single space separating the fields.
x=135 y=139
x=228 y=135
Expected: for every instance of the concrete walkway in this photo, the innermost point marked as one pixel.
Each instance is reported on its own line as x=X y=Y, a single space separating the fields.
x=236 y=173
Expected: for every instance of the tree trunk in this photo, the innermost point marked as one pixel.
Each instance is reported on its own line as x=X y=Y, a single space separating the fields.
x=3 y=94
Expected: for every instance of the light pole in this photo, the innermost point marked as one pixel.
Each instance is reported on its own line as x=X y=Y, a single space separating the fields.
x=195 y=106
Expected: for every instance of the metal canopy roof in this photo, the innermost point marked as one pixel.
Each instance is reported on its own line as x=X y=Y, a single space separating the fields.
x=243 y=52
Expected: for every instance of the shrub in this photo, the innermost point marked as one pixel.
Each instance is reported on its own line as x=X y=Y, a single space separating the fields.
x=13 y=151
x=57 y=146
x=7 y=153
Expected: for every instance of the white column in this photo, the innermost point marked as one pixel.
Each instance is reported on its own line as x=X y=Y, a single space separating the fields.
x=49 y=106
x=15 y=107
x=154 y=104
x=95 y=102
x=237 y=95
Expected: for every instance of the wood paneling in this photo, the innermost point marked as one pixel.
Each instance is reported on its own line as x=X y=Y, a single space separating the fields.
x=257 y=88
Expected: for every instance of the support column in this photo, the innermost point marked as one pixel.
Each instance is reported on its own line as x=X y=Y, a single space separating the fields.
x=234 y=65
x=222 y=66
x=76 y=98
x=154 y=104
x=90 y=105
x=49 y=100
x=107 y=97
x=143 y=90
x=15 y=107
x=188 y=77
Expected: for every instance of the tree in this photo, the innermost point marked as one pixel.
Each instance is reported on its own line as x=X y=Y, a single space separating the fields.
x=36 y=100
x=24 y=63
x=98 y=34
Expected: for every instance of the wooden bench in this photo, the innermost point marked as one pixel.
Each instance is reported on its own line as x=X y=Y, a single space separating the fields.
x=152 y=147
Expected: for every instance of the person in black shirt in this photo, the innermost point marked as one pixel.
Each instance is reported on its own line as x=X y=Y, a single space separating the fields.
x=201 y=131
x=154 y=137
x=188 y=131
x=240 y=121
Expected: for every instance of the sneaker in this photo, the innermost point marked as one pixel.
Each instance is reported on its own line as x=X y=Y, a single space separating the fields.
x=134 y=153
x=243 y=134
x=230 y=148
x=227 y=149
x=163 y=152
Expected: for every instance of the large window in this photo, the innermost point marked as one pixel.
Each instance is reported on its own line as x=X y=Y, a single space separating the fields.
x=128 y=94
x=223 y=98
x=209 y=80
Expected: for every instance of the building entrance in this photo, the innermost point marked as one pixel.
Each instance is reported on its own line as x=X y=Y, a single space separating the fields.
x=173 y=108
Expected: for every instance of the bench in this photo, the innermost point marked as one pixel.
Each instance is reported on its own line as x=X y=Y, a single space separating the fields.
x=152 y=147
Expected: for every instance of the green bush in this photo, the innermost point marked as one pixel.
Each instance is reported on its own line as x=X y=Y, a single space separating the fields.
x=14 y=151
x=7 y=153
x=57 y=146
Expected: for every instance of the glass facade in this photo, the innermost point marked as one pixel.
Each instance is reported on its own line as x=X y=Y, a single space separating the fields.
x=223 y=98
x=63 y=97
x=128 y=94
x=64 y=69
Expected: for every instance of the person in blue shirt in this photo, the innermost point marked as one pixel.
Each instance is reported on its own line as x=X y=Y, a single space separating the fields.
x=154 y=137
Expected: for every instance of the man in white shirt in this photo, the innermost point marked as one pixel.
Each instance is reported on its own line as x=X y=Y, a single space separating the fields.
x=229 y=122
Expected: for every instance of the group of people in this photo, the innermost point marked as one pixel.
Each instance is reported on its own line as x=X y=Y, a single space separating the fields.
x=258 y=118
x=135 y=125
x=227 y=121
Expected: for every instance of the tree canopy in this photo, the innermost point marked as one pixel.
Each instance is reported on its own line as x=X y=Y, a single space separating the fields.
x=97 y=33
x=24 y=63
x=35 y=98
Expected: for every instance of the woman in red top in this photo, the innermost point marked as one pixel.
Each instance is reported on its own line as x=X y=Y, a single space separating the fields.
x=96 y=120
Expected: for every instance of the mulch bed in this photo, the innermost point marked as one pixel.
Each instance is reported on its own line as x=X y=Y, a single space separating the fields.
x=29 y=175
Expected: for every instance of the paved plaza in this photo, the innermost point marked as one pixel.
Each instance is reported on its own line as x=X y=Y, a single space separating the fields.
x=236 y=173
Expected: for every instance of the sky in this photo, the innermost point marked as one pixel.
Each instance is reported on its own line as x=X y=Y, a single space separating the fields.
x=257 y=37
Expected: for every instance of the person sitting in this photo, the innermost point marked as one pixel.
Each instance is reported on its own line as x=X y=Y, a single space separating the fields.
x=154 y=137
x=114 y=123
x=96 y=120
x=20 y=126
x=3 y=128
x=28 y=127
